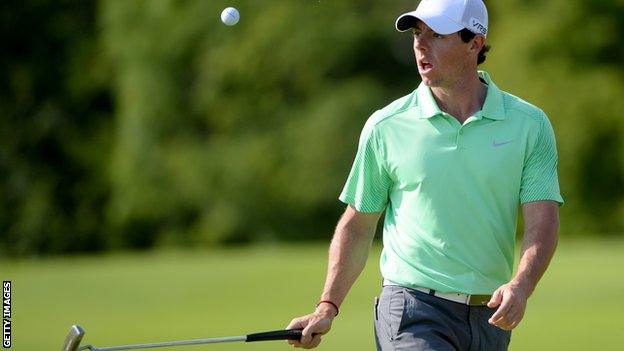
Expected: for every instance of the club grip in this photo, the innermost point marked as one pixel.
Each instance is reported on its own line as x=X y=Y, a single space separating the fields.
x=288 y=334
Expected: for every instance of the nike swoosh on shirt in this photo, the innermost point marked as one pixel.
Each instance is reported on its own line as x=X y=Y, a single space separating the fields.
x=495 y=144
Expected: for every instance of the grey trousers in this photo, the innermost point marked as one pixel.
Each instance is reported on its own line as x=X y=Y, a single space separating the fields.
x=407 y=319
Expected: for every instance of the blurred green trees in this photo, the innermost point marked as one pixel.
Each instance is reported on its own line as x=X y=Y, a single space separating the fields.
x=142 y=123
x=56 y=112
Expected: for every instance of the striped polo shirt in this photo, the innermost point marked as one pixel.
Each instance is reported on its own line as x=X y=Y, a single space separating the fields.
x=451 y=191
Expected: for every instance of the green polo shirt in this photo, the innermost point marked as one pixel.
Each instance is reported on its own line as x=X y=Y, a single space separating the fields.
x=451 y=192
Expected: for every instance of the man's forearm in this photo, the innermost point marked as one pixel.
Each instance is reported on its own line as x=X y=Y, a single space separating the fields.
x=538 y=248
x=541 y=220
x=348 y=254
x=536 y=255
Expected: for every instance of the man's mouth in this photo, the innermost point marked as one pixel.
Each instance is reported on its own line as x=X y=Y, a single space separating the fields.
x=424 y=66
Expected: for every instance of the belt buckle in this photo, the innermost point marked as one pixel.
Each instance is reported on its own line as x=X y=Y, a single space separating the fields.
x=478 y=300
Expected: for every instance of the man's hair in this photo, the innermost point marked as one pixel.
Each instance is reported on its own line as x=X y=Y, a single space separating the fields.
x=466 y=36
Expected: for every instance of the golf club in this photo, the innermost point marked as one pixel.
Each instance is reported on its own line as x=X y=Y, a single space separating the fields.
x=72 y=341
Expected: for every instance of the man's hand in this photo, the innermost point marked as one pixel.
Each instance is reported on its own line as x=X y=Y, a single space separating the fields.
x=314 y=325
x=511 y=299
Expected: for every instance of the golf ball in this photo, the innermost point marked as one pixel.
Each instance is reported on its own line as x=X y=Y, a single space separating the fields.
x=230 y=16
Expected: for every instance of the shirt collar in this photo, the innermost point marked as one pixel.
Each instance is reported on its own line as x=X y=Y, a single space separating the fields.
x=493 y=107
x=428 y=106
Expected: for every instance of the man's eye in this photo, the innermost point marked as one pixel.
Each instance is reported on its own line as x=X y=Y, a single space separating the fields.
x=436 y=35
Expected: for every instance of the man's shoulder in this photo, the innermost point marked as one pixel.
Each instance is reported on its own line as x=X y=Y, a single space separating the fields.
x=516 y=107
x=382 y=119
x=393 y=109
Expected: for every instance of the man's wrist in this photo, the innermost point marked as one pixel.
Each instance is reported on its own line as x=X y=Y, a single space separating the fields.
x=328 y=308
x=524 y=285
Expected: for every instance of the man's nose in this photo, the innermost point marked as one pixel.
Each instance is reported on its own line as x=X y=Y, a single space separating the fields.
x=420 y=44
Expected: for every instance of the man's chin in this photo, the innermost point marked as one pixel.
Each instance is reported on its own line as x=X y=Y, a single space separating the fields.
x=428 y=81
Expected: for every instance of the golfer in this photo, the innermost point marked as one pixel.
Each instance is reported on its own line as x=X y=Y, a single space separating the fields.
x=450 y=164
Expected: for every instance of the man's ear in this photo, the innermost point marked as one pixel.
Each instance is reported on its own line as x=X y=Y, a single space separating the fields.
x=478 y=42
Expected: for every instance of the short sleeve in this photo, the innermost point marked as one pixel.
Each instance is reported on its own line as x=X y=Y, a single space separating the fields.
x=539 y=176
x=368 y=184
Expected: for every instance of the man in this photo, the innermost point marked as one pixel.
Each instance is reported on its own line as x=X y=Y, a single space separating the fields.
x=449 y=164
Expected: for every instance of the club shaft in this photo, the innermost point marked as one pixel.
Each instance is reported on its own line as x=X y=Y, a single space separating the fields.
x=169 y=343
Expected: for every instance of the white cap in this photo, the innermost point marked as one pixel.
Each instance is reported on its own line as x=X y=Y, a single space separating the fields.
x=447 y=16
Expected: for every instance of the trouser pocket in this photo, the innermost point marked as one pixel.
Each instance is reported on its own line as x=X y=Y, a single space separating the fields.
x=389 y=312
x=376 y=308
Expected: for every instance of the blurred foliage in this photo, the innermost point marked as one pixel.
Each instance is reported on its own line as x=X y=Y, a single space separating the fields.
x=142 y=123
x=56 y=108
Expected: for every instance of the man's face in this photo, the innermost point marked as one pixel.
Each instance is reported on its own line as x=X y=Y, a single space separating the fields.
x=442 y=59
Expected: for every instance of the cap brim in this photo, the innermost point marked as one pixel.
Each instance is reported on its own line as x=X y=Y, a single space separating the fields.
x=438 y=23
x=406 y=21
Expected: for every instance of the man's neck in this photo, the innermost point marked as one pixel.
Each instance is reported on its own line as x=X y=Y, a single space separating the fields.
x=462 y=99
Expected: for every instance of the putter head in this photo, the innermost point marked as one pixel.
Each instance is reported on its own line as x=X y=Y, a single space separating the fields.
x=72 y=341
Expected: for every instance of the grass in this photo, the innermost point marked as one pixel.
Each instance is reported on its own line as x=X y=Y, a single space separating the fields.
x=170 y=295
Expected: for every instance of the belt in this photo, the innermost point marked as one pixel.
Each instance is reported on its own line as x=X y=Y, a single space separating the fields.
x=466 y=299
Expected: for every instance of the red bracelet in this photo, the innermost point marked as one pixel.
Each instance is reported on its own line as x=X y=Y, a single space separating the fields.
x=331 y=303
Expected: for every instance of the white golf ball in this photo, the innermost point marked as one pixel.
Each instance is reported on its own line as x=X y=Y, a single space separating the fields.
x=230 y=16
